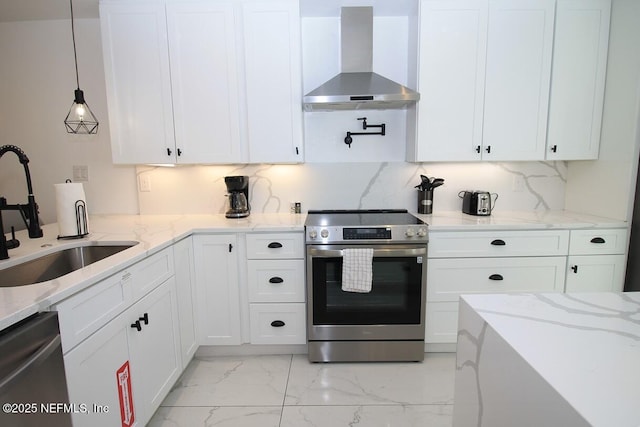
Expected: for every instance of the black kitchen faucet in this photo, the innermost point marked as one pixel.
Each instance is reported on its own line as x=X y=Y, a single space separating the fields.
x=29 y=211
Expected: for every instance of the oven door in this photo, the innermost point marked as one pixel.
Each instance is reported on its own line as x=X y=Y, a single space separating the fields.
x=393 y=310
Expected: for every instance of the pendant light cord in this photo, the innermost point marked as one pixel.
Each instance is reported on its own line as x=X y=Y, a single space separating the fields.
x=73 y=37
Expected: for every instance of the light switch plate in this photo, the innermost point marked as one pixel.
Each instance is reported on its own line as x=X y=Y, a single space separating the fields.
x=80 y=173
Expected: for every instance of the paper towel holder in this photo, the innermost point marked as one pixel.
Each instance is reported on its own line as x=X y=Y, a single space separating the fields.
x=81 y=220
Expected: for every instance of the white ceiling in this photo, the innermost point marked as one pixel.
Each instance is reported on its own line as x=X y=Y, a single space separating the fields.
x=29 y=10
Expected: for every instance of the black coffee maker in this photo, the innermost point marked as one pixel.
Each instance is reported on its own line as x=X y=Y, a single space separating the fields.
x=238 y=192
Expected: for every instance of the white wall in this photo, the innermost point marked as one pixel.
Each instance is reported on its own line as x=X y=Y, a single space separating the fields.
x=606 y=187
x=37 y=80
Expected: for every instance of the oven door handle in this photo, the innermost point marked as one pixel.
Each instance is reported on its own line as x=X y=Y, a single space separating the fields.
x=383 y=252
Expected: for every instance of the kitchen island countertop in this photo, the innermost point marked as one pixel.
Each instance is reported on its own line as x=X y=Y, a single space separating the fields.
x=548 y=359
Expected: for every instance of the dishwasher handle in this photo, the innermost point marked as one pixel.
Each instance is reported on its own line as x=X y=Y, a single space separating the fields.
x=35 y=359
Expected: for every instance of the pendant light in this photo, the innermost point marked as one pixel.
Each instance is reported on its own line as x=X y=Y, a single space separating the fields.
x=80 y=119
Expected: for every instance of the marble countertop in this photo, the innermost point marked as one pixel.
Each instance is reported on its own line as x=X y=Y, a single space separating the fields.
x=155 y=232
x=458 y=221
x=585 y=346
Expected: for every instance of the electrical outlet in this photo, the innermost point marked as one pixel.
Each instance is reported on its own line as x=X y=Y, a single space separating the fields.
x=80 y=173
x=144 y=183
x=518 y=183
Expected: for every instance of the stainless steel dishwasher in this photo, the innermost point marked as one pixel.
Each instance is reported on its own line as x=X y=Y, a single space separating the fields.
x=33 y=388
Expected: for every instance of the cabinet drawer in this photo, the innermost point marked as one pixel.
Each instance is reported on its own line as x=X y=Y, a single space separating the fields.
x=598 y=242
x=498 y=243
x=275 y=245
x=447 y=279
x=84 y=313
x=280 y=280
x=265 y=319
x=149 y=273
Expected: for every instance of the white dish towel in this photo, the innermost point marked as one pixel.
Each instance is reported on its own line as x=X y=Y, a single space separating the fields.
x=357 y=270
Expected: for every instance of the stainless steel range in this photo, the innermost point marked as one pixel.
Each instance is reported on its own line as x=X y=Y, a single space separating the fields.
x=385 y=320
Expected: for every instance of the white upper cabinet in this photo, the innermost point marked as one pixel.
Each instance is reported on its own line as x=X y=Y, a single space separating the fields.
x=484 y=75
x=136 y=61
x=273 y=73
x=578 y=79
x=204 y=74
x=453 y=36
x=519 y=48
x=206 y=81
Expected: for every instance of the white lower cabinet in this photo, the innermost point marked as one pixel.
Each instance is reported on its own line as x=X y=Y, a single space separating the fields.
x=504 y=261
x=275 y=280
x=125 y=371
x=155 y=347
x=596 y=260
x=91 y=375
x=217 y=289
x=508 y=261
x=595 y=273
x=185 y=287
x=448 y=278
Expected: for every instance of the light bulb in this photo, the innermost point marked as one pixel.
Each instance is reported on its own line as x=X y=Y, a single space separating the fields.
x=80 y=111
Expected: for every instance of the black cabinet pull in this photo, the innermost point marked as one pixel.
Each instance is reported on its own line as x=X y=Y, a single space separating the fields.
x=144 y=318
x=488 y=149
x=597 y=240
x=478 y=149
x=574 y=268
x=554 y=148
x=179 y=152
x=274 y=245
x=498 y=242
x=230 y=247
x=277 y=323
x=136 y=325
x=276 y=280
x=496 y=277
x=169 y=151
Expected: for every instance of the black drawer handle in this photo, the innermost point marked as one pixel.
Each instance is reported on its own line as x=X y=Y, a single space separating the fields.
x=498 y=242
x=276 y=280
x=574 y=268
x=274 y=245
x=597 y=240
x=277 y=323
x=496 y=277
x=136 y=325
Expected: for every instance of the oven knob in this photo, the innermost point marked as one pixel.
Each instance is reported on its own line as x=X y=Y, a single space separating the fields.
x=313 y=234
x=422 y=232
x=324 y=233
x=409 y=232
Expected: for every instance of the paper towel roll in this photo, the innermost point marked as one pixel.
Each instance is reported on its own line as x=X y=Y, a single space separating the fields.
x=71 y=209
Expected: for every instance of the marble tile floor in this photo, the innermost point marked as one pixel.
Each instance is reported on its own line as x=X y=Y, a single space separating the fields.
x=289 y=391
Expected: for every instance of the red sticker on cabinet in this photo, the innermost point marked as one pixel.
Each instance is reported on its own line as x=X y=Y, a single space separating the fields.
x=123 y=377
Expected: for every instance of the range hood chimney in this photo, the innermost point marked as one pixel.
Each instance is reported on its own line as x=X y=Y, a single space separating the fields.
x=357 y=86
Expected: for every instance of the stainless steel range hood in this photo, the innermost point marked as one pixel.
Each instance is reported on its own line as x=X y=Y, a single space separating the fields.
x=357 y=86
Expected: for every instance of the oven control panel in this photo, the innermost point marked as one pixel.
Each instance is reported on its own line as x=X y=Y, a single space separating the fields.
x=366 y=233
x=332 y=234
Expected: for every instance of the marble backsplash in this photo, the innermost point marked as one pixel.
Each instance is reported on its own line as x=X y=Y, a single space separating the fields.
x=529 y=186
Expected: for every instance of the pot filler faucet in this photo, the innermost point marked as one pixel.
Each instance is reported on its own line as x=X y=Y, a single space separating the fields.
x=29 y=212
